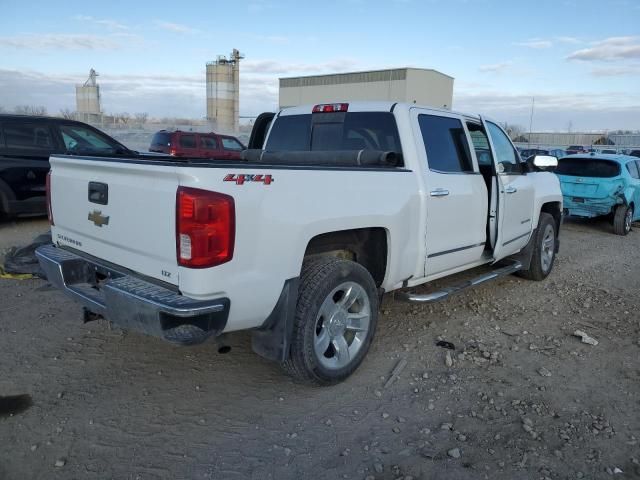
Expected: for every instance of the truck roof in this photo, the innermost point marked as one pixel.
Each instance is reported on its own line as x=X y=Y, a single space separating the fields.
x=371 y=106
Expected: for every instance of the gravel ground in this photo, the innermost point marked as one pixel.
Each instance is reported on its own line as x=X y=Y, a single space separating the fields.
x=519 y=398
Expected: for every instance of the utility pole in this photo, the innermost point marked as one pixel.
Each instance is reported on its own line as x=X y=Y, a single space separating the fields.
x=533 y=101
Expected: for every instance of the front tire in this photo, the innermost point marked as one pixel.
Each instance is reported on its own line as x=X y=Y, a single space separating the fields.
x=544 y=252
x=622 y=220
x=336 y=317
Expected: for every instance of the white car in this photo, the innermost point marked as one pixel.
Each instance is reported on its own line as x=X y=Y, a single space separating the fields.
x=299 y=240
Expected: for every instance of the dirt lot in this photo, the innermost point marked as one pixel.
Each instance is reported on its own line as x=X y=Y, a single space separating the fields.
x=523 y=398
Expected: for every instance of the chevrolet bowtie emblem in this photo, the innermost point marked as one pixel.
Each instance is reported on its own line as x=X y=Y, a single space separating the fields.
x=98 y=219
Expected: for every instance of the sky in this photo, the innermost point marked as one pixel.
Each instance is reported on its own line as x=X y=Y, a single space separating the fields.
x=580 y=60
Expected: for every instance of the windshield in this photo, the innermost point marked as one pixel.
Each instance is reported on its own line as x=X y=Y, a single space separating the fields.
x=588 y=167
x=335 y=131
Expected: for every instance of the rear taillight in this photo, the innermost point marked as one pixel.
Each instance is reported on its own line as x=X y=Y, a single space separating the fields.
x=173 y=151
x=331 y=108
x=205 y=227
x=48 y=190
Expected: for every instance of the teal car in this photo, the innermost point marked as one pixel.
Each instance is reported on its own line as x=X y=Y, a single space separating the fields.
x=595 y=185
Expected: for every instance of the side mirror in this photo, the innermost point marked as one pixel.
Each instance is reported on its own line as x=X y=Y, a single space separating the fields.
x=545 y=162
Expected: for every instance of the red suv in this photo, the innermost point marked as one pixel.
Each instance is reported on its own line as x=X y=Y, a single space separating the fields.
x=196 y=145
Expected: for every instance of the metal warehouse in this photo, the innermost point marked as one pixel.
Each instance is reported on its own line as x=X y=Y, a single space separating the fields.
x=413 y=85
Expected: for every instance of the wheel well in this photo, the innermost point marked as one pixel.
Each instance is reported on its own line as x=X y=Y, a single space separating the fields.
x=6 y=196
x=366 y=246
x=553 y=209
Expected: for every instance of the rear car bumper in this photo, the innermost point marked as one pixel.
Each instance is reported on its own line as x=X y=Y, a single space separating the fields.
x=130 y=301
x=588 y=207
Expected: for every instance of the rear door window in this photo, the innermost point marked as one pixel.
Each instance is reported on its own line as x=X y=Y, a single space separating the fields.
x=188 y=141
x=208 y=142
x=632 y=167
x=445 y=142
x=28 y=137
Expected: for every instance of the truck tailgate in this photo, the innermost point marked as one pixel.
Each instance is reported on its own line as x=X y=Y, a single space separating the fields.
x=133 y=226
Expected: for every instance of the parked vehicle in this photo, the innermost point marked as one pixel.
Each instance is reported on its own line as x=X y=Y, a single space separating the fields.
x=298 y=241
x=196 y=145
x=608 y=151
x=26 y=142
x=597 y=185
x=532 y=152
x=557 y=152
x=635 y=153
x=574 y=149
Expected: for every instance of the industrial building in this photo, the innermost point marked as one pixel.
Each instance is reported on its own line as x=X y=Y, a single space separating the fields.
x=413 y=85
x=88 y=99
x=223 y=92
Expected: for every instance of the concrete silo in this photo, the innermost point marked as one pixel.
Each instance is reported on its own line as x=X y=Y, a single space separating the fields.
x=88 y=98
x=223 y=92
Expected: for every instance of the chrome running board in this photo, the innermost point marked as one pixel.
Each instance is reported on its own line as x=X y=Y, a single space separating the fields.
x=448 y=291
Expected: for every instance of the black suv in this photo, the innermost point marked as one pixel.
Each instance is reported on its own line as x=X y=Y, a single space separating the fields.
x=25 y=145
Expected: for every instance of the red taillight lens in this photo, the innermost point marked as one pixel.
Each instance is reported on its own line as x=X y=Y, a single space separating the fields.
x=205 y=227
x=331 y=108
x=173 y=151
x=48 y=190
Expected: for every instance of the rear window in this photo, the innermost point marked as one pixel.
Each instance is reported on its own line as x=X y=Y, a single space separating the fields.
x=632 y=167
x=188 y=141
x=161 y=139
x=335 y=131
x=588 y=167
x=28 y=137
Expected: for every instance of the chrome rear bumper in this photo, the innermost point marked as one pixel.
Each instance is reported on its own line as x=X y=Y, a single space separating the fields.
x=130 y=301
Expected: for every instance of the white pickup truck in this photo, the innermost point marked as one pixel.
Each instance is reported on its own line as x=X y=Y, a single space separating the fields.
x=334 y=205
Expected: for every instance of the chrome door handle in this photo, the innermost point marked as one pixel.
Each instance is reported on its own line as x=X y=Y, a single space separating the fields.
x=439 y=192
x=510 y=190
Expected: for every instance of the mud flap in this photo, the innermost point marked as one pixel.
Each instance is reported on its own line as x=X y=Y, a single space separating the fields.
x=272 y=340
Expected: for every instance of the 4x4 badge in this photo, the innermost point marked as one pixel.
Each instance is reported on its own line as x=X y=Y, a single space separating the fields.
x=241 y=179
x=98 y=219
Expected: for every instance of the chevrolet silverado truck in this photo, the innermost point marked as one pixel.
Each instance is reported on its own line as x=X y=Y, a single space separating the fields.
x=332 y=206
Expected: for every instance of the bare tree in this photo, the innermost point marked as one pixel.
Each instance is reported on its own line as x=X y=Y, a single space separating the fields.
x=67 y=114
x=38 y=110
x=513 y=130
x=141 y=118
x=123 y=117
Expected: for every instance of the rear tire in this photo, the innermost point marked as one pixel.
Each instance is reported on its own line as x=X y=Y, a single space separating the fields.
x=544 y=252
x=622 y=220
x=335 y=322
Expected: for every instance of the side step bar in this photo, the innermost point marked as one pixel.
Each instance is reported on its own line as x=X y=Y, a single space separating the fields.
x=448 y=291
